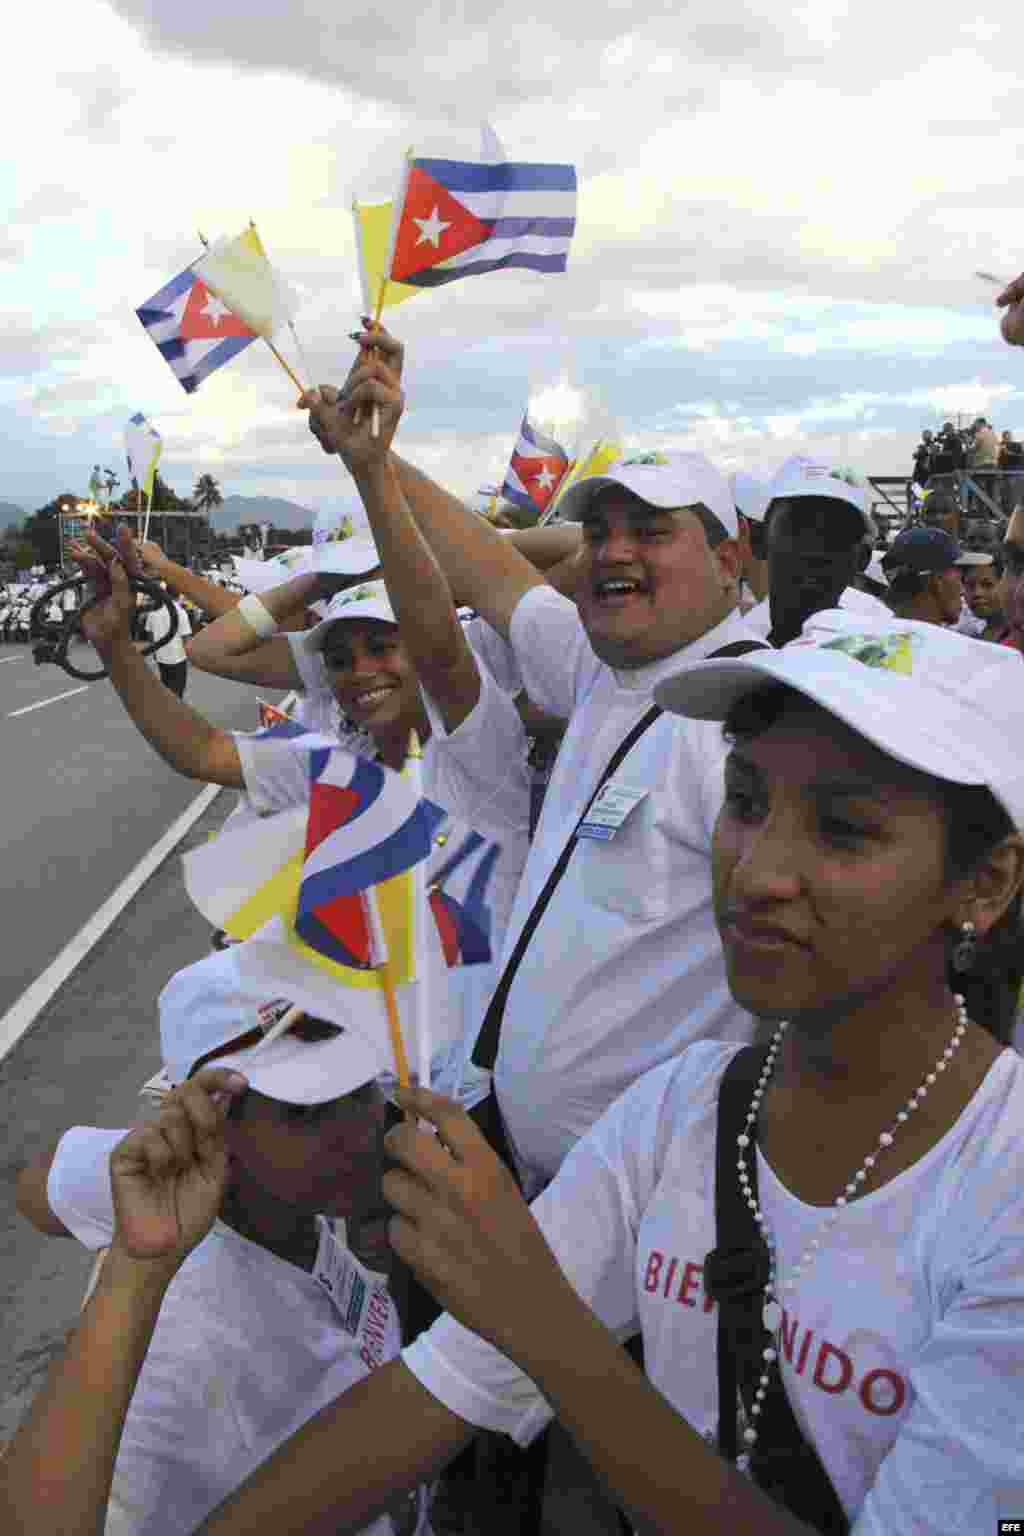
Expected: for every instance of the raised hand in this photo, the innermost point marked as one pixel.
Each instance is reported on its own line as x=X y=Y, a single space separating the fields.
x=463 y=1226
x=1012 y=300
x=108 y=619
x=341 y=420
x=168 y=1178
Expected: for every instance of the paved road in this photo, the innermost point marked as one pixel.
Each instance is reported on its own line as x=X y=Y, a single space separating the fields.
x=82 y=798
x=82 y=1063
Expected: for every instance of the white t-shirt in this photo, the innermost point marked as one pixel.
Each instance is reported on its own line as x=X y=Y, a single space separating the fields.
x=246 y=1348
x=759 y=619
x=969 y=624
x=904 y=1361
x=625 y=967
x=478 y=773
x=158 y=624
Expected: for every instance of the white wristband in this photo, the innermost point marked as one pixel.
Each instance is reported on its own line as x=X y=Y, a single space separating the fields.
x=258 y=616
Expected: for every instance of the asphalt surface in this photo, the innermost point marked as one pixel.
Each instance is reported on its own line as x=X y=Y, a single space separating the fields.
x=82 y=798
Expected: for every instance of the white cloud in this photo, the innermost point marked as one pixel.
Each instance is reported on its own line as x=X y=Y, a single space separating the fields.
x=775 y=212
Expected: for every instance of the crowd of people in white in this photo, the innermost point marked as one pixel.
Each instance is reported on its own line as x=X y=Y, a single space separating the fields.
x=744 y=1042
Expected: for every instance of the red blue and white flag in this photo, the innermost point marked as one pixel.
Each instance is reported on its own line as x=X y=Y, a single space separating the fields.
x=462 y=218
x=538 y=466
x=193 y=330
x=365 y=826
x=464 y=925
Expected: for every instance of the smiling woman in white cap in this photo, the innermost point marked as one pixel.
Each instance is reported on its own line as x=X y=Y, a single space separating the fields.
x=874 y=796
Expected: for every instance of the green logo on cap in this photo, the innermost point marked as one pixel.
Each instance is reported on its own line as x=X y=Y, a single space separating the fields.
x=654 y=457
x=893 y=652
x=354 y=595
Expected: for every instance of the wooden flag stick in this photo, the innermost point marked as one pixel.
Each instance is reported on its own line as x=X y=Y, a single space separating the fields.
x=287 y=367
x=382 y=964
x=375 y=416
x=394 y=1025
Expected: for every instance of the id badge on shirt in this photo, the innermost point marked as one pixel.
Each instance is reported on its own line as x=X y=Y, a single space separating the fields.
x=611 y=807
x=344 y=1279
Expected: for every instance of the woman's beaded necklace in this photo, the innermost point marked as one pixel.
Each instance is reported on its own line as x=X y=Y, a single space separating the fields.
x=773 y=1294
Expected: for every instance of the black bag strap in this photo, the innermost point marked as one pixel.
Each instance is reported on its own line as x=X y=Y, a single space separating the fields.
x=485 y=1052
x=782 y=1463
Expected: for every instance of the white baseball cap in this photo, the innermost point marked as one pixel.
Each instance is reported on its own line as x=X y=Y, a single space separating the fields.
x=211 y=1004
x=337 y=557
x=367 y=601
x=936 y=700
x=799 y=476
x=750 y=495
x=662 y=479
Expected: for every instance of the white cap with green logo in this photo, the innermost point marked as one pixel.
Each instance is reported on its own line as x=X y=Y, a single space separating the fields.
x=936 y=700
x=663 y=479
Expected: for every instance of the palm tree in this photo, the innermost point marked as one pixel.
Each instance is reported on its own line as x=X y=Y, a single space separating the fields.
x=206 y=494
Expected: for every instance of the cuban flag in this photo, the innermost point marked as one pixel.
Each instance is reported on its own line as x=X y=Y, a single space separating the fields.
x=365 y=826
x=538 y=466
x=463 y=218
x=193 y=330
x=464 y=925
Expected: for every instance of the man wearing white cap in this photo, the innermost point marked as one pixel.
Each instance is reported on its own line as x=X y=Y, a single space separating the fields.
x=621 y=968
x=271 y=1317
x=818 y=532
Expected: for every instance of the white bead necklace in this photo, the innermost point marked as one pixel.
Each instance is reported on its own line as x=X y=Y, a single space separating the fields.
x=773 y=1294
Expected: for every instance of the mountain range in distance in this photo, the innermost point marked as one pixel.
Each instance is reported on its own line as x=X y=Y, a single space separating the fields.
x=259 y=509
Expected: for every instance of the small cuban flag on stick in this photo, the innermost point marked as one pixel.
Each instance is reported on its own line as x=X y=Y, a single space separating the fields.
x=332 y=883
x=142 y=447
x=193 y=329
x=536 y=470
x=227 y=298
x=462 y=218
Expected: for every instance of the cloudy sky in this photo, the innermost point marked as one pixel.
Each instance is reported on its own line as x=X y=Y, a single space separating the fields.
x=779 y=221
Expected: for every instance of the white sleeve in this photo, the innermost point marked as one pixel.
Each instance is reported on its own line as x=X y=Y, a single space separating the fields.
x=590 y=1215
x=552 y=650
x=479 y=770
x=958 y=1462
x=184 y=622
x=494 y=653
x=276 y=772
x=310 y=667
x=78 y=1187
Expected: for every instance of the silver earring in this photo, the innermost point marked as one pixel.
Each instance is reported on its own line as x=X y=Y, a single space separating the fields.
x=966 y=948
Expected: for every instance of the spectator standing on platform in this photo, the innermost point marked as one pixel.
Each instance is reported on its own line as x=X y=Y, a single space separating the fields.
x=923 y=459
x=1011 y=465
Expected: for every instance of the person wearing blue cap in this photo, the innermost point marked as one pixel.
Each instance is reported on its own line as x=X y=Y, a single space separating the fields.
x=923 y=568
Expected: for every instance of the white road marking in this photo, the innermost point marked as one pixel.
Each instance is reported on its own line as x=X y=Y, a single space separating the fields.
x=12 y=658
x=67 y=694
x=22 y=1015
